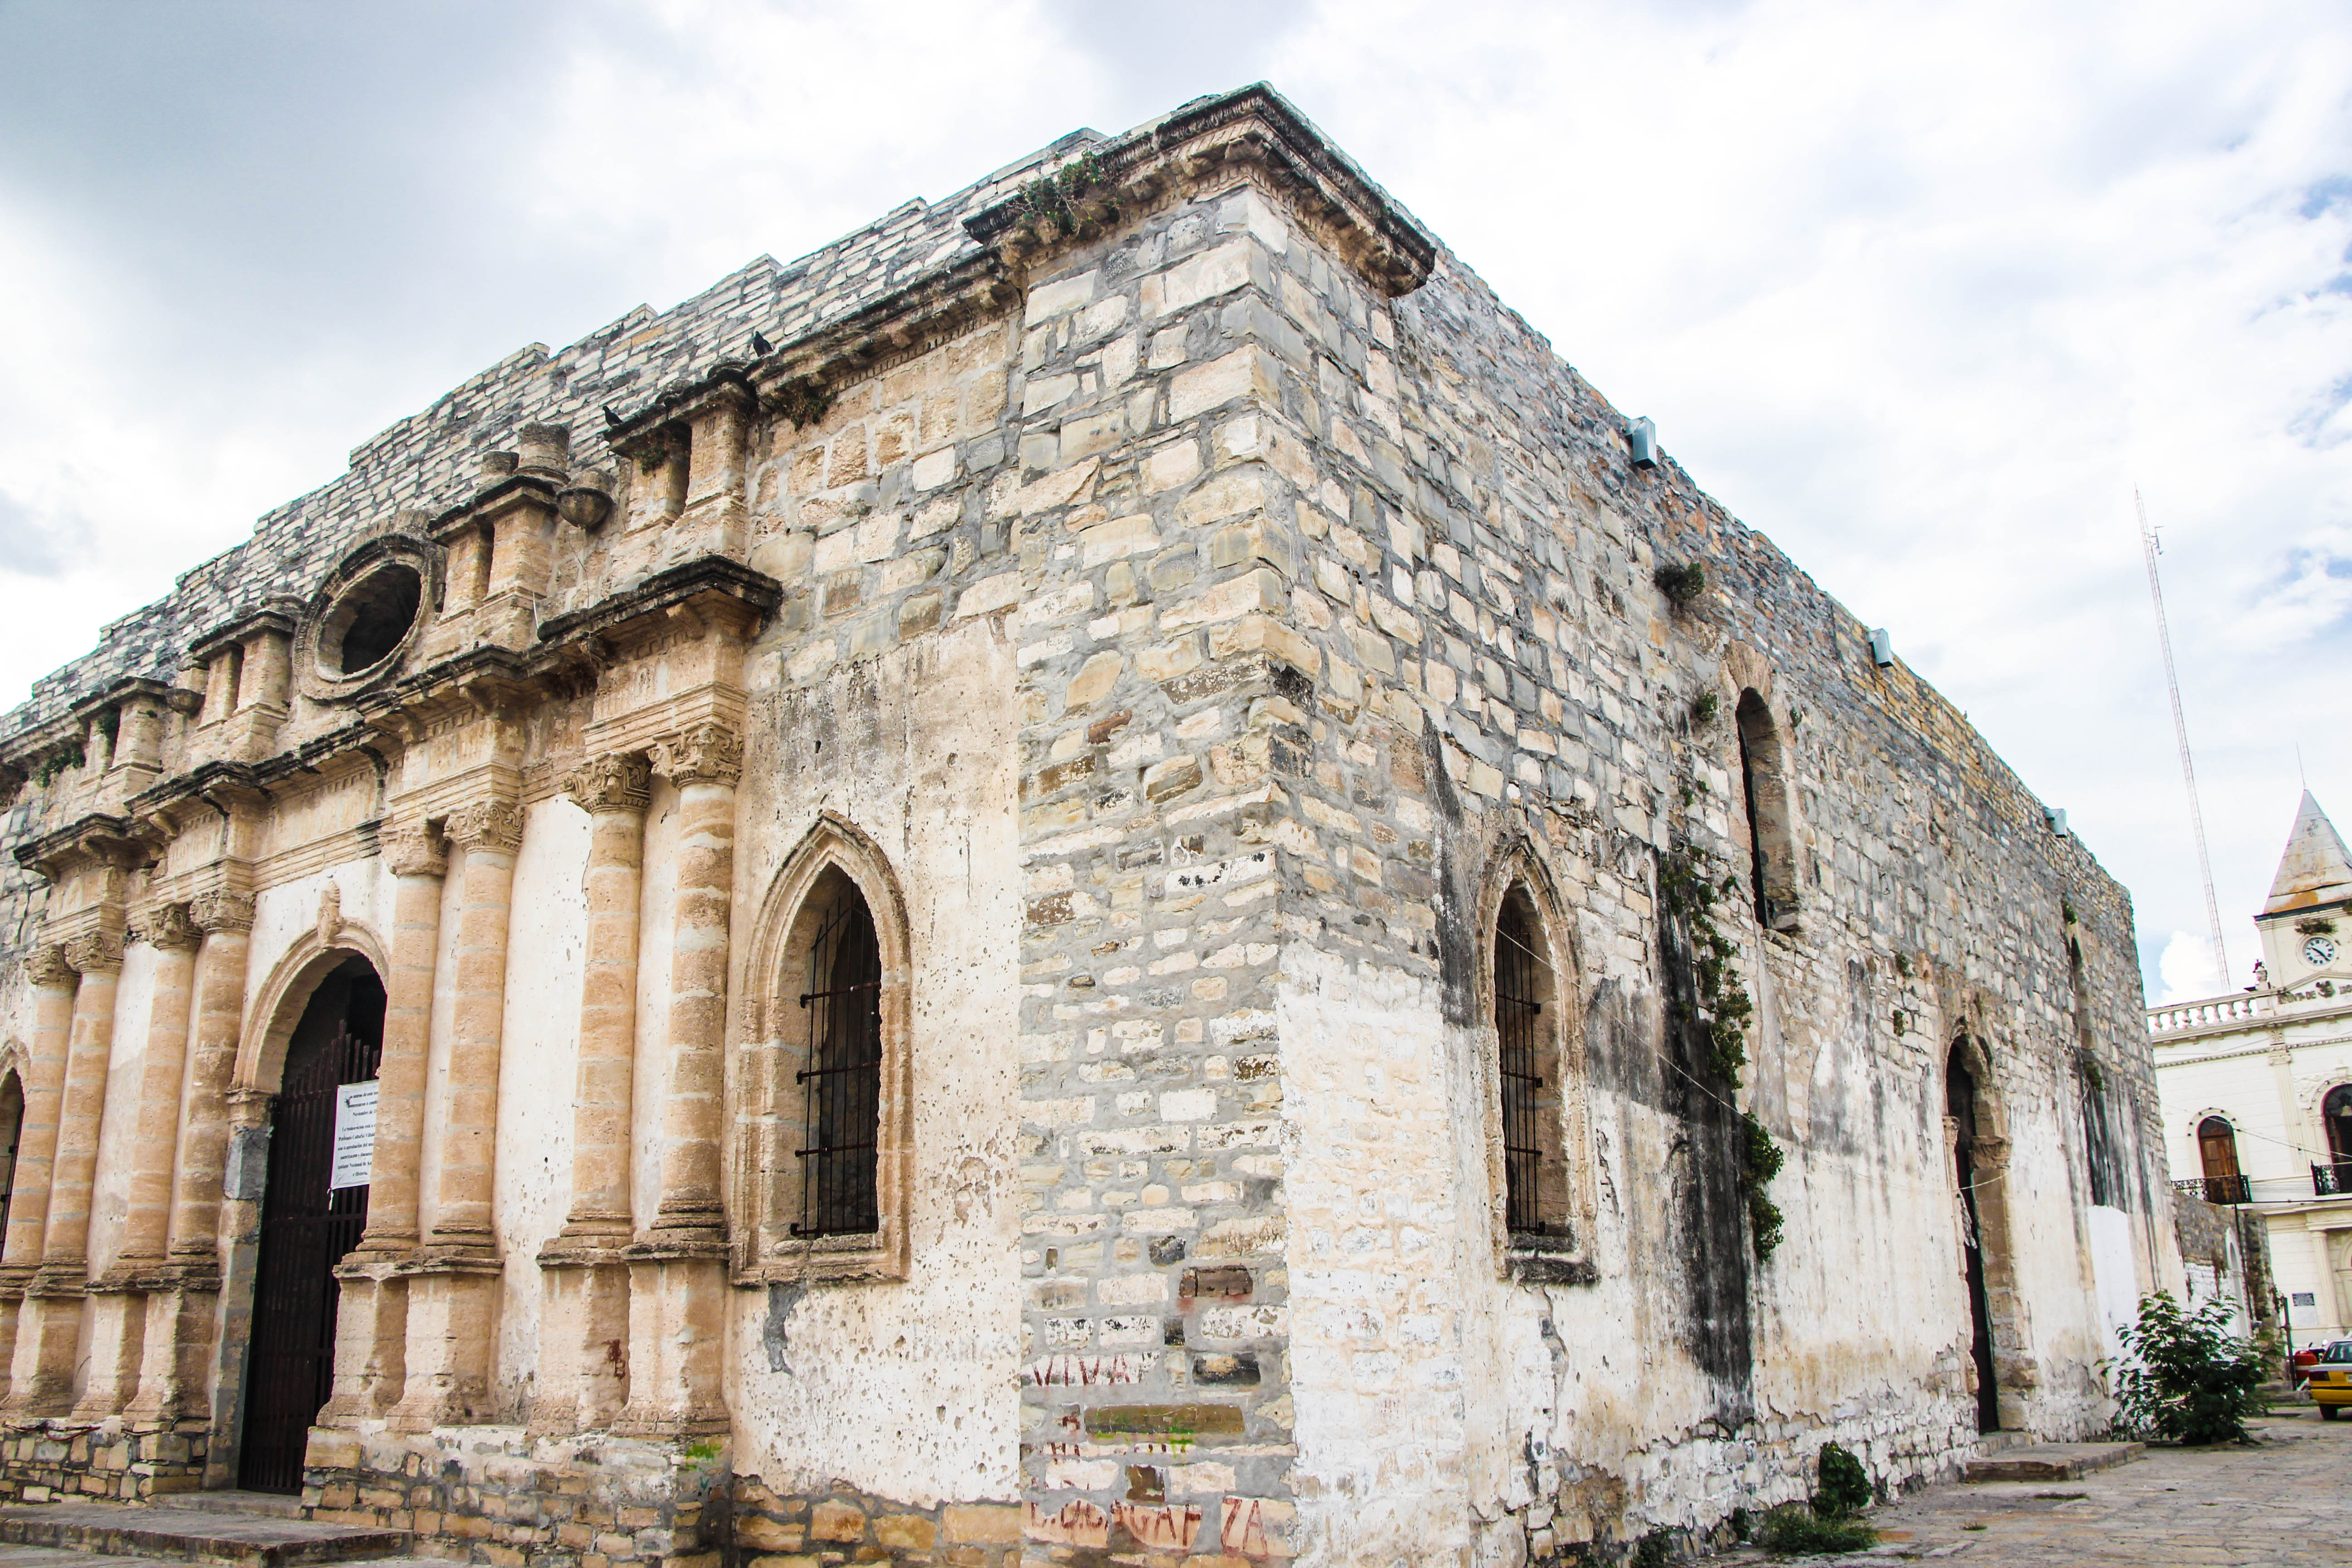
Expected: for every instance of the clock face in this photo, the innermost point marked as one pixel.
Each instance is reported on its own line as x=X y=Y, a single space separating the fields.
x=2319 y=951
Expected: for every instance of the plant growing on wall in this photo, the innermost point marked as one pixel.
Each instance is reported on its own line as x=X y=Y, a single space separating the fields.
x=1682 y=584
x=1691 y=892
x=1046 y=201
x=803 y=400
x=2185 y=1378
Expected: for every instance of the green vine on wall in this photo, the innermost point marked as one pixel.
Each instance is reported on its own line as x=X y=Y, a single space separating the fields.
x=1691 y=890
x=55 y=763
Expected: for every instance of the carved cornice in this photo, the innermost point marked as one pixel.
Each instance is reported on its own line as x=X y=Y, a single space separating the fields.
x=414 y=849
x=722 y=592
x=94 y=953
x=618 y=781
x=46 y=968
x=221 y=911
x=281 y=616
x=702 y=753
x=115 y=841
x=486 y=825
x=1256 y=128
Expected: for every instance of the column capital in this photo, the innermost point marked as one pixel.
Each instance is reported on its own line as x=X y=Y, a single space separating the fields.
x=618 y=781
x=48 y=970
x=486 y=825
x=96 y=953
x=169 y=926
x=221 y=911
x=708 y=753
x=413 y=848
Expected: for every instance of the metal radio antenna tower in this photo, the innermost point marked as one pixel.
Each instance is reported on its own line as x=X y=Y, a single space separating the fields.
x=2150 y=547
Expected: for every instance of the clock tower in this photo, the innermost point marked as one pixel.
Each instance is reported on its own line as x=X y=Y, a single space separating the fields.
x=2306 y=923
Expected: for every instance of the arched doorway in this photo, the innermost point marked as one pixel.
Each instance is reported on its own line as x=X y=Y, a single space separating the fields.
x=2217 y=1152
x=1960 y=1104
x=2336 y=1115
x=312 y=1212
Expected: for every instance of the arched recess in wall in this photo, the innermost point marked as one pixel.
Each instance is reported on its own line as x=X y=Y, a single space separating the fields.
x=2336 y=1129
x=1976 y=1133
x=1539 y=1162
x=1765 y=797
x=11 y=1131
x=824 y=1150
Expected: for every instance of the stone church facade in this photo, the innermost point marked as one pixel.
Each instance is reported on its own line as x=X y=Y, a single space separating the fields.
x=1115 y=892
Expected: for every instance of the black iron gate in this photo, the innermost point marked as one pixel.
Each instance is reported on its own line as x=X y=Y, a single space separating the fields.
x=306 y=1229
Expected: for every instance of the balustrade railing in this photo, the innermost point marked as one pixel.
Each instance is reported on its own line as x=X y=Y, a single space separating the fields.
x=2332 y=1181
x=2217 y=1189
x=2212 y=1012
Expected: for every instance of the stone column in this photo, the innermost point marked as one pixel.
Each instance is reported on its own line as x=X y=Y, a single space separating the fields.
x=678 y=1276
x=180 y=1315
x=452 y=1293
x=53 y=981
x=50 y=1342
x=584 y=1327
x=372 y=1319
x=121 y=1318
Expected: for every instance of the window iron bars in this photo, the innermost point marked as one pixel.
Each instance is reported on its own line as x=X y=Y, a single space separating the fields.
x=1518 y=1030
x=842 y=1085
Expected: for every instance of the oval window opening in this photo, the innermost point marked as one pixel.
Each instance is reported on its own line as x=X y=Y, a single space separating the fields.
x=371 y=621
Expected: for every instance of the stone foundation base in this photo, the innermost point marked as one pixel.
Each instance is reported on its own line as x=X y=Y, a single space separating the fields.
x=497 y=1495
x=773 y=1530
x=59 y=1459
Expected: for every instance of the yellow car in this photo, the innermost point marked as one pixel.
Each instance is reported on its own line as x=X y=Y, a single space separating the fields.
x=2331 y=1380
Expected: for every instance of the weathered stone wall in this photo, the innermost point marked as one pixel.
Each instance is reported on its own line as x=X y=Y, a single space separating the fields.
x=1183 y=603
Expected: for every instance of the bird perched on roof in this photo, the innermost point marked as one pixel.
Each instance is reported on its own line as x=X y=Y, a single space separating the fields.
x=762 y=346
x=611 y=420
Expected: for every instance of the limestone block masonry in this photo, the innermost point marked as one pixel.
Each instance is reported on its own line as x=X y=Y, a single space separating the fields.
x=1099 y=907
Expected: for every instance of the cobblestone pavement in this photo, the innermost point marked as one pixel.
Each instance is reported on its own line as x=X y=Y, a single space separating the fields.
x=2287 y=1503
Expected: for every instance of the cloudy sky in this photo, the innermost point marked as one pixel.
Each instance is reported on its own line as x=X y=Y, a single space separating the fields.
x=1921 y=291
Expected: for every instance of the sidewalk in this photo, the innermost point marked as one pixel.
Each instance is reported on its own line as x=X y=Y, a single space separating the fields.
x=2284 y=1503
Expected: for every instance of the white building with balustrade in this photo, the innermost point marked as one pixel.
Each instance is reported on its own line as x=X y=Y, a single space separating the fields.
x=2256 y=1086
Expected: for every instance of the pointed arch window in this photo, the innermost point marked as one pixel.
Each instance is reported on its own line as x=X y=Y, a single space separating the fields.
x=1764 y=792
x=841 y=1087
x=1538 y=1107
x=825 y=1140
x=12 y=1127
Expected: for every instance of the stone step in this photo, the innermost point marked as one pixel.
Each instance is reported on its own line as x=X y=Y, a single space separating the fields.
x=271 y=1505
x=2051 y=1461
x=230 y=1538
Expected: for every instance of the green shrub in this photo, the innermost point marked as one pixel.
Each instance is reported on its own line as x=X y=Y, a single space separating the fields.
x=1681 y=583
x=1796 y=1531
x=2185 y=1378
x=1845 y=1485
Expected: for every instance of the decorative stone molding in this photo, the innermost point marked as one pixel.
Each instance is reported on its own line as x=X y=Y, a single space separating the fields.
x=222 y=910
x=486 y=825
x=329 y=921
x=48 y=969
x=618 y=781
x=331 y=608
x=170 y=926
x=97 y=951
x=708 y=753
x=414 y=849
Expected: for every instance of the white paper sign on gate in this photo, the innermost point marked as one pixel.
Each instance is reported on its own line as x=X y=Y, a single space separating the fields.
x=354 y=1134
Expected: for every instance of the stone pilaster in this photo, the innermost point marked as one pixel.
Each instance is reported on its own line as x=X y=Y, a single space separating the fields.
x=584 y=1327
x=119 y=1305
x=49 y=1346
x=372 y=1319
x=678 y=1285
x=53 y=981
x=452 y=1293
x=181 y=1311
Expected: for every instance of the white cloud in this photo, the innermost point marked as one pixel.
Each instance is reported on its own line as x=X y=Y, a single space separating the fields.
x=1921 y=291
x=2186 y=969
